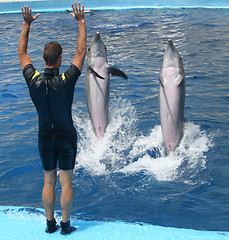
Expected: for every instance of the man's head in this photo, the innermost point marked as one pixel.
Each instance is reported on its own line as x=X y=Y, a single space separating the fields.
x=52 y=54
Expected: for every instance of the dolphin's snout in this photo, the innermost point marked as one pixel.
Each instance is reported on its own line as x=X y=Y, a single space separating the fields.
x=170 y=42
x=170 y=46
x=97 y=37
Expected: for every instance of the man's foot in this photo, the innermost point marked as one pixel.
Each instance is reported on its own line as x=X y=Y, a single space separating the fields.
x=51 y=226
x=66 y=228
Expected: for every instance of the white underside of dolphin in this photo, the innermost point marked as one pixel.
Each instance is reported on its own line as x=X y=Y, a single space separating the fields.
x=172 y=98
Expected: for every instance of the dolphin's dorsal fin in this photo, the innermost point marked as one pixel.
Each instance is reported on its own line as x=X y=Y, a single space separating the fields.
x=117 y=72
x=95 y=73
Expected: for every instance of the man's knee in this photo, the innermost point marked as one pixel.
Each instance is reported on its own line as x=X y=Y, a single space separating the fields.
x=50 y=177
x=66 y=177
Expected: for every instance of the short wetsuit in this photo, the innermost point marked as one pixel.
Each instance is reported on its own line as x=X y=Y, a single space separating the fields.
x=52 y=95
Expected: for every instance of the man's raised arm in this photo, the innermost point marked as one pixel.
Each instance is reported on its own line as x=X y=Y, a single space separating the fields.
x=24 y=37
x=78 y=14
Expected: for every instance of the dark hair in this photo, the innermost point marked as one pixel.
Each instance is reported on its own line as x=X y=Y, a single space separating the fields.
x=51 y=53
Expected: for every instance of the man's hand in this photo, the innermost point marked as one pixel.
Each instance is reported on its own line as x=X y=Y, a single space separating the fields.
x=78 y=13
x=27 y=15
x=24 y=37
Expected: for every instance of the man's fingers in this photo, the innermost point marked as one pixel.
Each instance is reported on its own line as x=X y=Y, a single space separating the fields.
x=76 y=8
x=23 y=9
x=36 y=16
x=26 y=9
x=72 y=6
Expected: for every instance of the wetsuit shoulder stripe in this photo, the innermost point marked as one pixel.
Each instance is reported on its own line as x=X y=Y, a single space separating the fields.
x=63 y=77
x=35 y=74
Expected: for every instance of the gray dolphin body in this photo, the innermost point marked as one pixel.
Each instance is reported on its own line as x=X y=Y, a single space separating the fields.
x=172 y=97
x=98 y=84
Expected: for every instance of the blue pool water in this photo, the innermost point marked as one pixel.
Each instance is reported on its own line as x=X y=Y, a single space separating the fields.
x=61 y=5
x=128 y=176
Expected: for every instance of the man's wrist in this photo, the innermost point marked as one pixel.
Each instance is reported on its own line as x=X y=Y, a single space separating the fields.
x=26 y=23
x=81 y=21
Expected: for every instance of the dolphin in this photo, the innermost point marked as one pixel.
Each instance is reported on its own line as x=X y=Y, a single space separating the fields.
x=98 y=84
x=172 y=97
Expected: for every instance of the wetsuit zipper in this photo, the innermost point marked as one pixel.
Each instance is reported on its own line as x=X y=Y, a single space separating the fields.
x=48 y=103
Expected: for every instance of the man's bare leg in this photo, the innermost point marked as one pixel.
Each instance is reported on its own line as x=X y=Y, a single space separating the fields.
x=48 y=194
x=66 y=199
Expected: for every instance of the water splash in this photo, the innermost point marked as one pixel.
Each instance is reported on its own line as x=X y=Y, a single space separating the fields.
x=123 y=150
x=109 y=153
x=188 y=159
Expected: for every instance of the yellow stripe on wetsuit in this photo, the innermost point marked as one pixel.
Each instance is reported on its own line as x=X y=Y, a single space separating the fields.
x=35 y=74
x=63 y=77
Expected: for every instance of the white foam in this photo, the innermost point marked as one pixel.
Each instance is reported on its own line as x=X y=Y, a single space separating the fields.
x=123 y=150
x=191 y=152
x=100 y=156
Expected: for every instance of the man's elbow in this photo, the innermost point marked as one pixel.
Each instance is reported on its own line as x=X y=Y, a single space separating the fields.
x=22 y=56
x=79 y=58
x=21 y=52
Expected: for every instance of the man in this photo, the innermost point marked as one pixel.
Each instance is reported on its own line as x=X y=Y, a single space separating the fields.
x=52 y=95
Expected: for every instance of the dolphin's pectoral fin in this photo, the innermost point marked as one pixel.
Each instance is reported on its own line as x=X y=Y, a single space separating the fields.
x=117 y=72
x=179 y=79
x=161 y=80
x=95 y=73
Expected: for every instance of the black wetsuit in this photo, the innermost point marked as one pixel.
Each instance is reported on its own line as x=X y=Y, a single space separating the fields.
x=52 y=95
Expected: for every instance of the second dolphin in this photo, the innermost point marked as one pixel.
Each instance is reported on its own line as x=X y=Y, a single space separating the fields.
x=172 y=97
